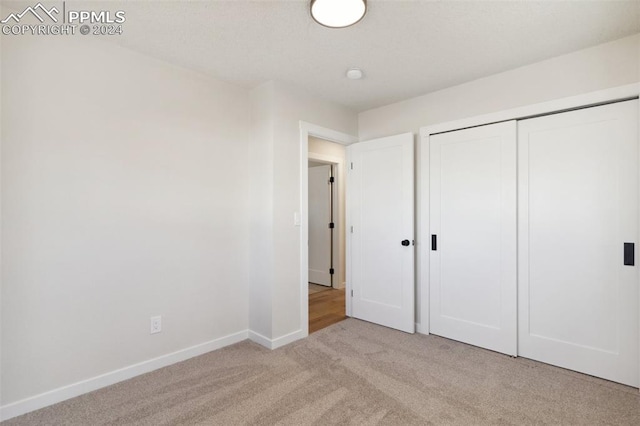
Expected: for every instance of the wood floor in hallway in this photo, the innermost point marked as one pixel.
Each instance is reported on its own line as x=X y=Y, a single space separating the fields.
x=326 y=308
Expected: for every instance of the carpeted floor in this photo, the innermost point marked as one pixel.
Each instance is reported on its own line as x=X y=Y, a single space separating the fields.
x=352 y=373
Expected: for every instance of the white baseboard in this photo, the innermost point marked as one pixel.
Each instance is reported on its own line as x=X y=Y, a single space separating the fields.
x=277 y=342
x=287 y=338
x=420 y=329
x=260 y=339
x=54 y=396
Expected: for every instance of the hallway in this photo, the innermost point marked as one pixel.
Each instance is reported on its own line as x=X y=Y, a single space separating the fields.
x=326 y=307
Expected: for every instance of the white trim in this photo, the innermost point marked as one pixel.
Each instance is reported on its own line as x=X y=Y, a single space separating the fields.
x=1 y=263
x=306 y=130
x=278 y=342
x=601 y=96
x=327 y=134
x=260 y=339
x=348 y=221
x=424 y=240
x=639 y=220
x=287 y=338
x=84 y=386
x=580 y=101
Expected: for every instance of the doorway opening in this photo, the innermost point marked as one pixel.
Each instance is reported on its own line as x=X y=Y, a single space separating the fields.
x=322 y=226
x=308 y=130
x=326 y=225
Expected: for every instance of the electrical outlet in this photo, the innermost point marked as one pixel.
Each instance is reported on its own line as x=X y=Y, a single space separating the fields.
x=156 y=324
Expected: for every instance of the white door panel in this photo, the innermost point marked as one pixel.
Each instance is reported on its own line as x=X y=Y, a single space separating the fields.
x=578 y=204
x=381 y=214
x=473 y=214
x=319 y=232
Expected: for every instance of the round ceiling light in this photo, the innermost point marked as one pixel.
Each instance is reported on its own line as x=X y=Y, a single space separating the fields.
x=338 y=13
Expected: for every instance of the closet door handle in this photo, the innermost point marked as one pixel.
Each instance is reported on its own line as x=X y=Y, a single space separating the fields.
x=629 y=254
x=405 y=242
x=434 y=242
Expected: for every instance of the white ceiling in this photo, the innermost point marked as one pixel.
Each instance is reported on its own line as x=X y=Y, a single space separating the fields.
x=406 y=48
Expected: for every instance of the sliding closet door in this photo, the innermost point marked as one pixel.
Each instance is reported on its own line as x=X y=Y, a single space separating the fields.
x=578 y=221
x=473 y=226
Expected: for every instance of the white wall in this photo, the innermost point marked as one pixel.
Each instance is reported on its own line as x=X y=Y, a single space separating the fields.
x=600 y=67
x=323 y=147
x=275 y=280
x=332 y=149
x=261 y=210
x=292 y=106
x=1 y=137
x=125 y=194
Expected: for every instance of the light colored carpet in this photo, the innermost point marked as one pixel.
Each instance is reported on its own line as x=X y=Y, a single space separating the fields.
x=352 y=373
x=316 y=288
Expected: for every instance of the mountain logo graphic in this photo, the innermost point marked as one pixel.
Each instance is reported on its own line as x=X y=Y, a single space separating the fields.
x=38 y=11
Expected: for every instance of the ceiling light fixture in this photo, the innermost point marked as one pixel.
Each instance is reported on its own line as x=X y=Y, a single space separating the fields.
x=338 y=13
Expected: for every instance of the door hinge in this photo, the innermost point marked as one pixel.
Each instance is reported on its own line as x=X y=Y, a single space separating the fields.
x=351 y=166
x=331 y=179
x=331 y=271
x=351 y=293
x=332 y=225
x=352 y=229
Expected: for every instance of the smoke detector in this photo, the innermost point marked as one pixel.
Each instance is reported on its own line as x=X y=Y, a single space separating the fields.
x=354 y=74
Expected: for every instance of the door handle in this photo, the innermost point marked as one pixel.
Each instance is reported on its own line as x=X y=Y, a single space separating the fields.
x=434 y=242
x=629 y=254
x=405 y=242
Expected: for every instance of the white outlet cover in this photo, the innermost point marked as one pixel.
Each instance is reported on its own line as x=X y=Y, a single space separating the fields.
x=156 y=324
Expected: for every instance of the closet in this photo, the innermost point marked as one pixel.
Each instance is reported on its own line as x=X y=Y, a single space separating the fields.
x=533 y=226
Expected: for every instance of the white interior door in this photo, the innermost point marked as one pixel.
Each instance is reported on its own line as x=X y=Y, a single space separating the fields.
x=319 y=231
x=380 y=230
x=473 y=225
x=578 y=205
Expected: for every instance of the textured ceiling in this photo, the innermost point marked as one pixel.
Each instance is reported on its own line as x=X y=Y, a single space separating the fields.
x=406 y=48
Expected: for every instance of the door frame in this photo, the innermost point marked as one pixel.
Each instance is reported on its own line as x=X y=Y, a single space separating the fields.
x=615 y=94
x=306 y=130
x=338 y=173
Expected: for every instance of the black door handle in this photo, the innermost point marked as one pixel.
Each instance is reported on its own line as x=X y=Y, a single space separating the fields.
x=434 y=242
x=629 y=254
x=405 y=242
